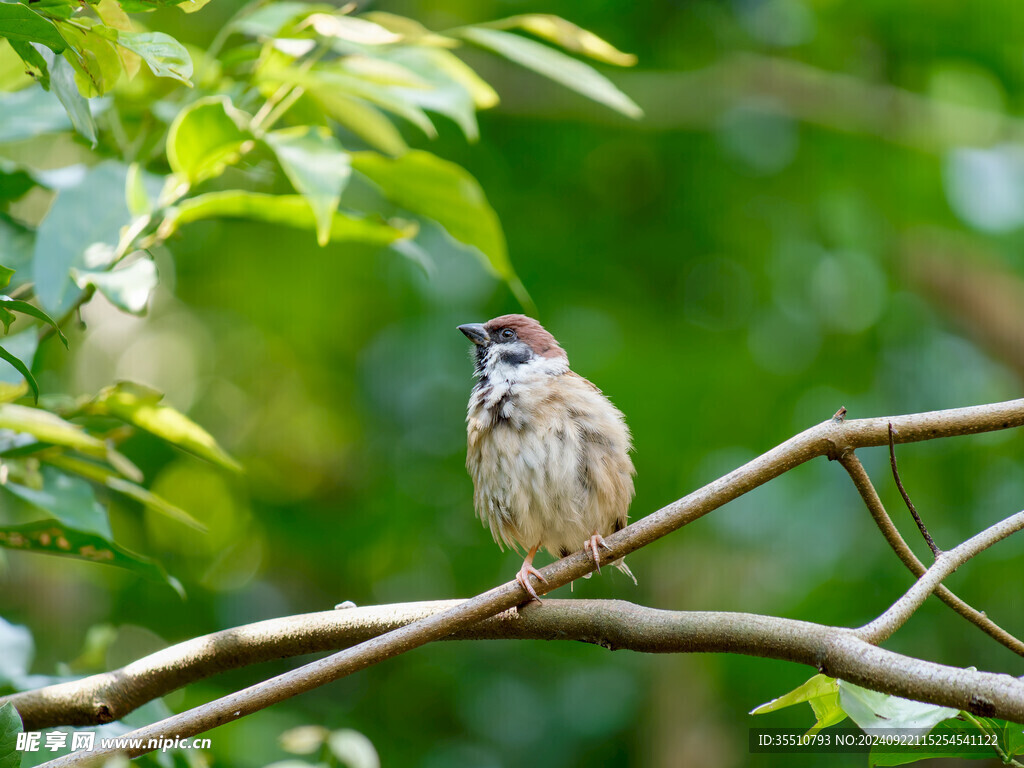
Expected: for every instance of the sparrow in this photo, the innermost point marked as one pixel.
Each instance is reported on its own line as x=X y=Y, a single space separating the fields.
x=547 y=451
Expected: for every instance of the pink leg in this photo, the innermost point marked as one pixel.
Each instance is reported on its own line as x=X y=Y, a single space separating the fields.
x=590 y=545
x=523 y=577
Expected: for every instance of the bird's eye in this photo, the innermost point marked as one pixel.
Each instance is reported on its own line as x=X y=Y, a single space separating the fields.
x=507 y=334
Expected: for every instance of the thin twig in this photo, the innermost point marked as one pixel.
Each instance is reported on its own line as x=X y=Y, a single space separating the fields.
x=867 y=491
x=906 y=499
x=896 y=616
x=611 y=624
x=829 y=438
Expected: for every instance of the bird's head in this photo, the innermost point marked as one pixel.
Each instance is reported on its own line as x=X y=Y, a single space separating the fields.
x=514 y=345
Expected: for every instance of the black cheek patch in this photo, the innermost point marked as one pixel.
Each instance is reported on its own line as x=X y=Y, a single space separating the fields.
x=516 y=355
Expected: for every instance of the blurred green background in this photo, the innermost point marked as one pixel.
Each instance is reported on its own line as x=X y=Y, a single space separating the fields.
x=823 y=207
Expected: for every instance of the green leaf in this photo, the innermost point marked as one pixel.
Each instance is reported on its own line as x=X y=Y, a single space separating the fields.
x=821 y=692
x=135 y=194
x=317 y=167
x=68 y=499
x=16 y=305
x=954 y=739
x=23 y=370
x=95 y=60
x=127 y=288
x=351 y=29
x=269 y=20
x=113 y=16
x=34 y=60
x=871 y=709
x=554 y=65
x=288 y=210
x=425 y=184
x=140 y=405
x=10 y=727
x=91 y=212
x=98 y=473
x=363 y=120
x=353 y=749
x=164 y=55
x=206 y=137
x=410 y=29
x=324 y=82
x=29 y=112
x=6 y=317
x=5 y=276
x=55 y=9
x=564 y=33
x=49 y=428
x=62 y=78
x=456 y=90
x=51 y=538
x=19 y=22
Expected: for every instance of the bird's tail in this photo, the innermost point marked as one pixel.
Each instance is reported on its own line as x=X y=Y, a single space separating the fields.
x=621 y=565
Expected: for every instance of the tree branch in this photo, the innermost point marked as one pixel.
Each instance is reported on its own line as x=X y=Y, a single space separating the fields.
x=868 y=493
x=612 y=624
x=906 y=498
x=830 y=438
x=882 y=628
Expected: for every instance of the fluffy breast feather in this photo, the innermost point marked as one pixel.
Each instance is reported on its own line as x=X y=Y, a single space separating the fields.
x=549 y=457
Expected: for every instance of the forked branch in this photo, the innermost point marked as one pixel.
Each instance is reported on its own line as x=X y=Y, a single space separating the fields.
x=834 y=439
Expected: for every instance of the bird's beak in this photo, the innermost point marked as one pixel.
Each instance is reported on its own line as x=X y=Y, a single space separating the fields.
x=476 y=333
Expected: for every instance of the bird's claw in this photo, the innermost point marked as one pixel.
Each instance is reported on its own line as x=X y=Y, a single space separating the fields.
x=591 y=545
x=523 y=577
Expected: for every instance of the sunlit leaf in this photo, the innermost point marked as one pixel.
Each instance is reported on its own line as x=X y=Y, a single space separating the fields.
x=19 y=22
x=269 y=20
x=289 y=210
x=455 y=91
x=98 y=473
x=425 y=184
x=49 y=428
x=114 y=17
x=127 y=288
x=21 y=368
x=95 y=60
x=164 y=55
x=317 y=167
x=5 y=276
x=16 y=305
x=871 y=709
x=141 y=406
x=49 y=537
x=363 y=120
x=354 y=30
x=557 y=30
x=410 y=29
x=328 y=81
x=206 y=137
x=67 y=498
x=554 y=65
x=353 y=749
x=55 y=9
x=821 y=692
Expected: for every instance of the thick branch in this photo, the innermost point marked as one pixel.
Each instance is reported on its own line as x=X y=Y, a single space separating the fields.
x=868 y=493
x=831 y=438
x=882 y=628
x=612 y=624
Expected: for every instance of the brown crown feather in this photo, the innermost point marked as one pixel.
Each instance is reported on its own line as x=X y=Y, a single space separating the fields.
x=529 y=331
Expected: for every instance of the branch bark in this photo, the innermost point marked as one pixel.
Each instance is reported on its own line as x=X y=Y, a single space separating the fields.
x=611 y=624
x=831 y=438
x=867 y=491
